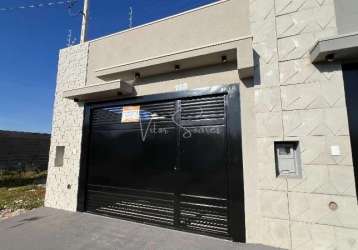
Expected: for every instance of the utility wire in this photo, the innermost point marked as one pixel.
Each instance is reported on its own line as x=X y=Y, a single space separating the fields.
x=69 y=4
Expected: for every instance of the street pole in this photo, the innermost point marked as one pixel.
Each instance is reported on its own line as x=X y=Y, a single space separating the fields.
x=84 y=21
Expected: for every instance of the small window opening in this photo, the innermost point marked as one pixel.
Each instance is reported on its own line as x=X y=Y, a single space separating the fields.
x=60 y=153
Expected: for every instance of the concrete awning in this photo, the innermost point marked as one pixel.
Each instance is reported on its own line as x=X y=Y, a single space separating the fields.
x=101 y=91
x=239 y=50
x=340 y=48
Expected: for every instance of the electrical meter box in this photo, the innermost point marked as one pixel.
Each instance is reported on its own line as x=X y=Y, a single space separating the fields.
x=288 y=159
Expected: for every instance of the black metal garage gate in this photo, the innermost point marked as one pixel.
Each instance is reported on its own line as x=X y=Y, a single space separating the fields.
x=170 y=159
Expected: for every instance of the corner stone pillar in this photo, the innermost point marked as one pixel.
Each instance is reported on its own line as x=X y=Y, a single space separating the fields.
x=62 y=182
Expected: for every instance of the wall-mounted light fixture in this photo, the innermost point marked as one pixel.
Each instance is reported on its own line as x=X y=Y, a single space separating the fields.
x=177 y=67
x=137 y=75
x=224 y=59
x=330 y=57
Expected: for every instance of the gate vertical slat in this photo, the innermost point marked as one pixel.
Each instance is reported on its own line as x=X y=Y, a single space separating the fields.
x=177 y=118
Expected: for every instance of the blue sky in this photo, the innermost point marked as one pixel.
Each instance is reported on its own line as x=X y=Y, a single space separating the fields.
x=29 y=45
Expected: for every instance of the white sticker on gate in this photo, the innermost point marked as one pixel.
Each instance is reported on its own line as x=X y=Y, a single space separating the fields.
x=130 y=114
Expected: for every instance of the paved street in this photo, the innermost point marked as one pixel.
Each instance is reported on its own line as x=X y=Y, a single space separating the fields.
x=49 y=229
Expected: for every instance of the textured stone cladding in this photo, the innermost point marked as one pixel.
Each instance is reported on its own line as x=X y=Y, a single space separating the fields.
x=296 y=100
x=62 y=182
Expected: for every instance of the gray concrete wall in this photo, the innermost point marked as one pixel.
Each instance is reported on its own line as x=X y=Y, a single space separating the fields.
x=347 y=16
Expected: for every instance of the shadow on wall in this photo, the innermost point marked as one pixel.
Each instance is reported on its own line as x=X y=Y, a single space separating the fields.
x=257 y=69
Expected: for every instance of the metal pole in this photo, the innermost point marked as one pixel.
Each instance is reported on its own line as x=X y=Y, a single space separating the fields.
x=130 y=17
x=84 y=21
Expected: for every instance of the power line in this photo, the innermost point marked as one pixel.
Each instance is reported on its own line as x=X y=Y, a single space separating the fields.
x=69 y=4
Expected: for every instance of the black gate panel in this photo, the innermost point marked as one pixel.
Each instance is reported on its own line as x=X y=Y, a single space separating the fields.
x=146 y=206
x=120 y=158
x=203 y=175
x=170 y=167
x=130 y=166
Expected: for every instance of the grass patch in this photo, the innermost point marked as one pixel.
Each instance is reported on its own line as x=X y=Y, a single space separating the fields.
x=16 y=179
x=19 y=190
x=25 y=197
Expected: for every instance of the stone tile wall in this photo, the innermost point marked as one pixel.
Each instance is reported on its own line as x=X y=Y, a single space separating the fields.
x=62 y=182
x=296 y=100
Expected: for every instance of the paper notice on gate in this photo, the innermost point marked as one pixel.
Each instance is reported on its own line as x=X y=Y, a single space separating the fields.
x=130 y=114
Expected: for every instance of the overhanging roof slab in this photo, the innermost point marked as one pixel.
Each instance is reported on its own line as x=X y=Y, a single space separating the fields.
x=339 y=48
x=100 y=92
x=239 y=50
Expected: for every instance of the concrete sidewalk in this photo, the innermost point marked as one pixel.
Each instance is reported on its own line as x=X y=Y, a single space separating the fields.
x=47 y=229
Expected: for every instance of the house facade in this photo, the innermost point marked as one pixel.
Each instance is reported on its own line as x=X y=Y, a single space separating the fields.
x=235 y=119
